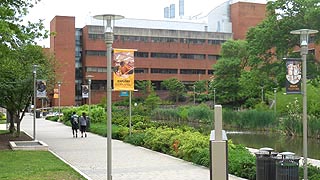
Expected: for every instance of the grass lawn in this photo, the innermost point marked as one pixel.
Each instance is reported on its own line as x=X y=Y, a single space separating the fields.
x=34 y=165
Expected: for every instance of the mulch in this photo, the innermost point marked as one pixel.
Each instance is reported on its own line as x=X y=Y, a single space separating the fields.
x=5 y=138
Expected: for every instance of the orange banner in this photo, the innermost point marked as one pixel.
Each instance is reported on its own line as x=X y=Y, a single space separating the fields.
x=123 y=74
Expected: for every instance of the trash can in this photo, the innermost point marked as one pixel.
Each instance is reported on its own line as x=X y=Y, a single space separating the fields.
x=265 y=164
x=37 y=113
x=44 y=113
x=287 y=166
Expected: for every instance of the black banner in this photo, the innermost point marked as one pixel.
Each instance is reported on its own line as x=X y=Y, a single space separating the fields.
x=293 y=76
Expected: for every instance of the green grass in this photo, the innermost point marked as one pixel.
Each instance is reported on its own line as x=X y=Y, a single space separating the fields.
x=34 y=165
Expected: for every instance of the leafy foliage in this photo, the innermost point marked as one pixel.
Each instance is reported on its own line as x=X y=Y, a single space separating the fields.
x=175 y=87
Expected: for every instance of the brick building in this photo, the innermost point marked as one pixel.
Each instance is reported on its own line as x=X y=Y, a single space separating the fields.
x=185 y=50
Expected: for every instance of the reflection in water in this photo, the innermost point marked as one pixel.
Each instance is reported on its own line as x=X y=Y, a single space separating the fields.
x=277 y=142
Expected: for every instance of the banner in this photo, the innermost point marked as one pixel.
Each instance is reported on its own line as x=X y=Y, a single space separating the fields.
x=293 y=76
x=123 y=74
x=85 y=91
x=56 y=93
x=41 y=89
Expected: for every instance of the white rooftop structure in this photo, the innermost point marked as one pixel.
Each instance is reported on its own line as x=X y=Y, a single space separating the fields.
x=217 y=20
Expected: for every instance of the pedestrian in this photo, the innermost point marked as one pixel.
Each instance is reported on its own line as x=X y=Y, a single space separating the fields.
x=74 y=120
x=83 y=124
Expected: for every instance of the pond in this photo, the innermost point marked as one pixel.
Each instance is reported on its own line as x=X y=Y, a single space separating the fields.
x=276 y=141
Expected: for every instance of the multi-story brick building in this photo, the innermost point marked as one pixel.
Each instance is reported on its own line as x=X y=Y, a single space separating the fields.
x=186 y=50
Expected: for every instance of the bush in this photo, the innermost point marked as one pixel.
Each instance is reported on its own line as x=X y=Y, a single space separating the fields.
x=135 y=139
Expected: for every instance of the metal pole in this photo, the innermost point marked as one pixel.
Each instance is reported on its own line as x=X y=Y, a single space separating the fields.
x=214 y=97
x=89 y=96
x=275 y=101
x=130 y=112
x=109 y=19
x=109 y=40
x=194 y=94
x=59 y=85
x=304 y=51
x=304 y=35
x=34 y=100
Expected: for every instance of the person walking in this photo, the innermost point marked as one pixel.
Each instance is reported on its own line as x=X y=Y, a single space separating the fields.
x=83 y=124
x=74 y=120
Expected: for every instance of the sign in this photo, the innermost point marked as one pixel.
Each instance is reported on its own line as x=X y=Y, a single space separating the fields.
x=124 y=93
x=41 y=89
x=123 y=74
x=55 y=93
x=85 y=91
x=293 y=76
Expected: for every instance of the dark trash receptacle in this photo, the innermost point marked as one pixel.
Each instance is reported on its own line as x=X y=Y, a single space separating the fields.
x=37 y=114
x=287 y=166
x=44 y=113
x=265 y=164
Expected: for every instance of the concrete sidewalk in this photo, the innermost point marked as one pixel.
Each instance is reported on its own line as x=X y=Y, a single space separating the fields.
x=88 y=156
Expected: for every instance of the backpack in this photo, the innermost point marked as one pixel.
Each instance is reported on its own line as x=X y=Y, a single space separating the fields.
x=74 y=119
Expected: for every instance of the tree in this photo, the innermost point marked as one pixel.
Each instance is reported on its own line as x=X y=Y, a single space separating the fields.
x=271 y=41
x=175 y=87
x=13 y=31
x=17 y=55
x=16 y=80
x=227 y=71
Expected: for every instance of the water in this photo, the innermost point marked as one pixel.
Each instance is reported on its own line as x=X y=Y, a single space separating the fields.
x=277 y=142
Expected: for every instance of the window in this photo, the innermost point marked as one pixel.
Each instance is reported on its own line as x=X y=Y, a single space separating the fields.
x=192 y=71
x=193 y=41
x=141 y=54
x=164 y=71
x=96 y=53
x=216 y=42
x=192 y=56
x=164 y=55
x=134 y=38
x=213 y=57
x=96 y=36
x=141 y=70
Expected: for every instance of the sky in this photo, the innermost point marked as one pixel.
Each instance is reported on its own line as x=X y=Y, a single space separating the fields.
x=140 y=9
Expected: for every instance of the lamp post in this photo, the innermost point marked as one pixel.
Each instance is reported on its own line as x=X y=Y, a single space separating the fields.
x=89 y=77
x=275 y=100
x=194 y=94
x=34 y=99
x=109 y=19
x=304 y=36
x=214 y=97
x=59 y=100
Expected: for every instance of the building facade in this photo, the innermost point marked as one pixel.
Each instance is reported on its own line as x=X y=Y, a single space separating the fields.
x=165 y=49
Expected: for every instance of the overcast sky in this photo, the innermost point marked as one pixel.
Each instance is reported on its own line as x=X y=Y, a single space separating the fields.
x=141 y=9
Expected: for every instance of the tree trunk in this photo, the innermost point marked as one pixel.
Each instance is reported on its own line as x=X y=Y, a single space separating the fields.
x=11 y=119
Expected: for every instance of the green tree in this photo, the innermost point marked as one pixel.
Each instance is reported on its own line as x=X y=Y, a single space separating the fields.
x=17 y=55
x=271 y=40
x=16 y=80
x=12 y=29
x=227 y=71
x=175 y=87
x=152 y=101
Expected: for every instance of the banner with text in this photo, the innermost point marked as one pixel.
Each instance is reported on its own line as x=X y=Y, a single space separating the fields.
x=123 y=74
x=293 y=76
x=41 y=89
x=85 y=91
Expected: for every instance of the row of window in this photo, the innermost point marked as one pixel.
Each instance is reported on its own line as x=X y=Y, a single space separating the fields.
x=155 y=70
x=159 y=55
x=158 y=39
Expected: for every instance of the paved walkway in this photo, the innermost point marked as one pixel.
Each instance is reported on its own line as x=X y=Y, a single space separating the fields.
x=88 y=156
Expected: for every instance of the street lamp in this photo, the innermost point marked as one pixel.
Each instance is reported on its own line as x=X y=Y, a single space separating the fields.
x=34 y=99
x=59 y=101
x=275 y=100
x=194 y=94
x=108 y=23
x=214 y=97
x=130 y=111
x=304 y=36
x=89 y=77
